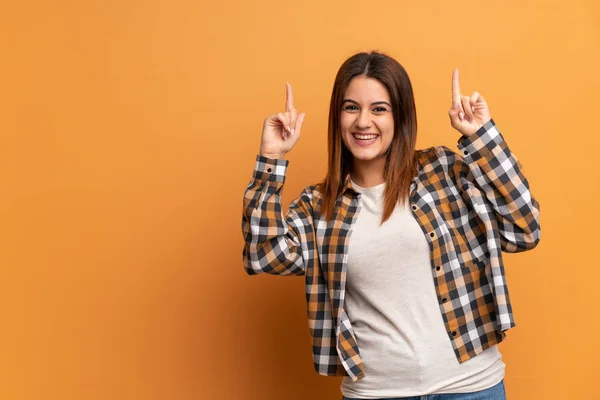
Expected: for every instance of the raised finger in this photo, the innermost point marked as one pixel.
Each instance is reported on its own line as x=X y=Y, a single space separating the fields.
x=293 y=118
x=455 y=90
x=289 y=100
x=288 y=116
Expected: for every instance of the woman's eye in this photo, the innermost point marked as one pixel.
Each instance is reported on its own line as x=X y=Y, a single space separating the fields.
x=376 y=109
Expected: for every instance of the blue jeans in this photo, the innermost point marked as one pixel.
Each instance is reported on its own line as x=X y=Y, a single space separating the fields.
x=496 y=392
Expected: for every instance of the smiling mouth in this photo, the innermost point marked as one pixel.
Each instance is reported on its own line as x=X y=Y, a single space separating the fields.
x=365 y=136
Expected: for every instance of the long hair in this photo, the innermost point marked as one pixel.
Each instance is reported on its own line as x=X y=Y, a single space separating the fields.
x=401 y=159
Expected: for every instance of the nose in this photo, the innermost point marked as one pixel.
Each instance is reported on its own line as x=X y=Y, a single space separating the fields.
x=363 y=121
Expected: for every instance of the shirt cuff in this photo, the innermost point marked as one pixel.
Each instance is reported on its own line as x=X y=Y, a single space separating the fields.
x=483 y=141
x=270 y=169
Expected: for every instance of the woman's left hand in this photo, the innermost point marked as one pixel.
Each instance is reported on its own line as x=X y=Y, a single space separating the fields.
x=468 y=113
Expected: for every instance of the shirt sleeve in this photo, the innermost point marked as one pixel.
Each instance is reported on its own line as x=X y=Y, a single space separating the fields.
x=274 y=244
x=497 y=172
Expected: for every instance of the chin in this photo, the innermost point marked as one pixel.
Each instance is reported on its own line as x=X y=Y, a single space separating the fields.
x=364 y=156
x=367 y=154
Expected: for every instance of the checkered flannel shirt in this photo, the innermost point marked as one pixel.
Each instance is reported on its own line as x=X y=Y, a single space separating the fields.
x=471 y=206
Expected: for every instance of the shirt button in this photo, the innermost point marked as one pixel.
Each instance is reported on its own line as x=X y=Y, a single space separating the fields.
x=444 y=300
x=414 y=207
x=454 y=333
x=432 y=234
x=466 y=153
x=437 y=268
x=268 y=169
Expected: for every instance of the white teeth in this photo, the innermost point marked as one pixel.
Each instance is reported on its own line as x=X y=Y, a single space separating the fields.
x=365 y=137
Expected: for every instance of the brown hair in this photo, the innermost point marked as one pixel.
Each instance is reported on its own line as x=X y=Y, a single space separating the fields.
x=401 y=161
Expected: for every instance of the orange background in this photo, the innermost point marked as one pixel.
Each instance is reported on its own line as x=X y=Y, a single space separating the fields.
x=128 y=135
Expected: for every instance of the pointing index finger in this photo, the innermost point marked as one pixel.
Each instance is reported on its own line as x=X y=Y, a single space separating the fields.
x=455 y=90
x=289 y=101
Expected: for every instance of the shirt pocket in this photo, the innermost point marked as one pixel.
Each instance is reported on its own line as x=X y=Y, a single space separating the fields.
x=471 y=246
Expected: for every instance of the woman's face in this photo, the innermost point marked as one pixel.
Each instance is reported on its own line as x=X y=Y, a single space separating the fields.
x=366 y=120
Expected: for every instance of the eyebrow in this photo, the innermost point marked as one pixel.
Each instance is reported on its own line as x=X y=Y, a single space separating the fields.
x=374 y=103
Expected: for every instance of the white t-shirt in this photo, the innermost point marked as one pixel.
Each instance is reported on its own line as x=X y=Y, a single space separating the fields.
x=394 y=311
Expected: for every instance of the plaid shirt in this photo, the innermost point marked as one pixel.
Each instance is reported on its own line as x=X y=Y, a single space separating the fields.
x=471 y=206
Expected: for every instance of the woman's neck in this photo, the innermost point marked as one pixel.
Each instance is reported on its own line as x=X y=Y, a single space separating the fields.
x=368 y=173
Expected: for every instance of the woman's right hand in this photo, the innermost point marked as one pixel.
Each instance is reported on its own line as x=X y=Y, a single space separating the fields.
x=282 y=130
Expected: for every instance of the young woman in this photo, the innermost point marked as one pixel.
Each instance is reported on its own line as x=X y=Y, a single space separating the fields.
x=401 y=249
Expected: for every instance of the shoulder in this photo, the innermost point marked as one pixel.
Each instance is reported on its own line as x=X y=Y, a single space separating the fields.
x=447 y=155
x=307 y=197
x=441 y=157
x=444 y=163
